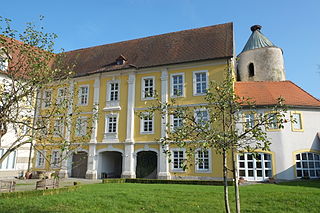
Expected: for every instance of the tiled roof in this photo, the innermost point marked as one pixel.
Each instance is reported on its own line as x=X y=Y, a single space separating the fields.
x=199 y=44
x=267 y=93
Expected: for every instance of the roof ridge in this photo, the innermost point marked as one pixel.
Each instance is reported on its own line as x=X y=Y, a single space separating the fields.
x=162 y=34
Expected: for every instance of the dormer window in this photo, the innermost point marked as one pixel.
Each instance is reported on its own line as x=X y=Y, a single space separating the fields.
x=251 y=70
x=121 y=60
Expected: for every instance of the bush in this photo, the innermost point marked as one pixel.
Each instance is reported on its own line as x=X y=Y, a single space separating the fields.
x=158 y=181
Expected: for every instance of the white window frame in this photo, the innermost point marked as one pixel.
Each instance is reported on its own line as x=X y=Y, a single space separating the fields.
x=80 y=103
x=40 y=159
x=201 y=110
x=304 y=165
x=197 y=162
x=109 y=90
x=46 y=100
x=143 y=87
x=112 y=115
x=142 y=121
x=173 y=118
x=254 y=168
x=58 y=127
x=61 y=97
x=183 y=150
x=53 y=162
x=249 y=120
x=195 y=93
x=172 y=85
x=10 y=159
x=81 y=126
x=111 y=136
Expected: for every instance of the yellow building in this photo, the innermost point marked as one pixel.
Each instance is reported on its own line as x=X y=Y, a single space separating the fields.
x=117 y=81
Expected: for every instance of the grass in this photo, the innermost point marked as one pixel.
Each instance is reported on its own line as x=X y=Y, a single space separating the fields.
x=126 y=197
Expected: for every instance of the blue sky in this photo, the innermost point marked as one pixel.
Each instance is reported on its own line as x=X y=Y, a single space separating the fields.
x=292 y=25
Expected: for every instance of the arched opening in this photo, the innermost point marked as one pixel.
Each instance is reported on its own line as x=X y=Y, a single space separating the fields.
x=146 y=165
x=110 y=164
x=79 y=165
x=251 y=70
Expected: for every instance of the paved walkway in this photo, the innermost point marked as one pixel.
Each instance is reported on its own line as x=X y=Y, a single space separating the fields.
x=30 y=184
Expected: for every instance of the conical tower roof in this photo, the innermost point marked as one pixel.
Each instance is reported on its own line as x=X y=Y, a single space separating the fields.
x=257 y=40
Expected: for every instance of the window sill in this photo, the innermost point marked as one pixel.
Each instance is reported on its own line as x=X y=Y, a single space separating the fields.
x=199 y=94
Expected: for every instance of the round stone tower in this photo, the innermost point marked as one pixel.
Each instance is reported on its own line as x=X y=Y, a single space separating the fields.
x=260 y=59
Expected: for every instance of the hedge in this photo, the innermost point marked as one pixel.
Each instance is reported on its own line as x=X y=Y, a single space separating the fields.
x=21 y=194
x=159 y=181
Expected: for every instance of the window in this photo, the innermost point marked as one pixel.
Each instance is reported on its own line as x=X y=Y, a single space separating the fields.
x=251 y=70
x=83 y=95
x=3 y=63
x=177 y=85
x=200 y=82
x=61 y=95
x=81 y=126
x=9 y=162
x=297 y=121
x=203 y=161
x=178 y=160
x=272 y=122
x=55 y=158
x=308 y=165
x=40 y=159
x=248 y=120
x=112 y=124
x=255 y=168
x=47 y=98
x=58 y=128
x=113 y=92
x=202 y=117
x=176 y=121
x=146 y=124
x=148 y=87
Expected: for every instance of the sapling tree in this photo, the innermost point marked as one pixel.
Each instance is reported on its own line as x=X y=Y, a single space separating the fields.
x=218 y=124
x=31 y=75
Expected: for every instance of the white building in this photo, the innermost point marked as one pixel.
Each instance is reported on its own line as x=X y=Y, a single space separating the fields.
x=295 y=149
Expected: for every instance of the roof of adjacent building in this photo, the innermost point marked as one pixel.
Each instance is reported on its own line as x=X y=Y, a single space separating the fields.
x=268 y=92
x=257 y=40
x=206 y=43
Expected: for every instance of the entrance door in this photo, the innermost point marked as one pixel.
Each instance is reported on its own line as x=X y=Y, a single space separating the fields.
x=79 y=165
x=255 y=168
x=147 y=165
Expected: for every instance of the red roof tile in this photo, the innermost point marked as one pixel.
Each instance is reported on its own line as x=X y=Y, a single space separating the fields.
x=199 y=44
x=267 y=93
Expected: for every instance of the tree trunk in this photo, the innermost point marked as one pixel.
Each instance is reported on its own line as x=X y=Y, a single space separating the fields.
x=235 y=179
x=225 y=180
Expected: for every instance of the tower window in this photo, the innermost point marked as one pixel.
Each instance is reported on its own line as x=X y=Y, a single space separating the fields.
x=251 y=70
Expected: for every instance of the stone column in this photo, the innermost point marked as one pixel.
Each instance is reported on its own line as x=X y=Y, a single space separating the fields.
x=96 y=94
x=63 y=173
x=163 y=158
x=92 y=156
x=92 y=162
x=128 y=158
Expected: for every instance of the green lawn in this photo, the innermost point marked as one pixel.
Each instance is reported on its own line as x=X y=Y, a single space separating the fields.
x=127 y=197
